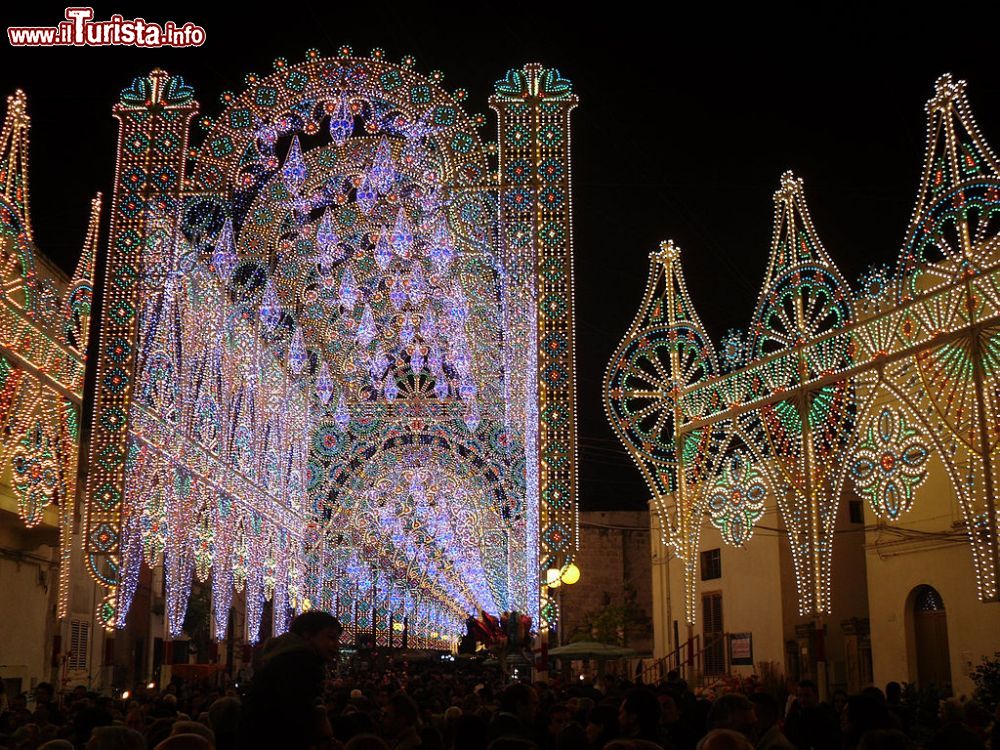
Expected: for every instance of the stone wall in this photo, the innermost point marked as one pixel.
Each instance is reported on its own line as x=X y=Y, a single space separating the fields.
x=614 y=563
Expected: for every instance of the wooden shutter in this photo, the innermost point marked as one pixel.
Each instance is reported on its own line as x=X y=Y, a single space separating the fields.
x=713 y=644
x=79 y=645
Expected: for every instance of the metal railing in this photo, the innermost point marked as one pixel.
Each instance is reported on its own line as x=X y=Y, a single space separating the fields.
x=688 y=660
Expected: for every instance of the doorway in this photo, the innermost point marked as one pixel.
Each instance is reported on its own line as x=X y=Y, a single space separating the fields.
x=930 y=637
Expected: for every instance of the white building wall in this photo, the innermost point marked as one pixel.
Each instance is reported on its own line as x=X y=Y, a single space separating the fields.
x=24 y=598
x=750 y=586
x=926 y=546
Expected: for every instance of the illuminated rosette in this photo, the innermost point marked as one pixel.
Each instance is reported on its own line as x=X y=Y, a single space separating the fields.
x=106 y=614
x=732 y=351
x=876 y=289
x=890 y=463
x=736 y=498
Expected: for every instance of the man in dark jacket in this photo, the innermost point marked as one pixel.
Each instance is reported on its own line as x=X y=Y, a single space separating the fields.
x=280 y=708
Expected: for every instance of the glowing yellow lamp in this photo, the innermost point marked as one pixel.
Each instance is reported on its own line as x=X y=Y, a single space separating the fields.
x=553 y=578
x=572 y=575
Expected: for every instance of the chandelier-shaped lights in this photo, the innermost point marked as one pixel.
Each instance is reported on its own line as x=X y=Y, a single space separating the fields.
x=418 y=508
x=383 y=286
x=331 y=430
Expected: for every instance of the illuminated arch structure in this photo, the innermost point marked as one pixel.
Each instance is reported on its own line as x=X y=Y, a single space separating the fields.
x=830 y=384
x=335 y=364
x=43 y=341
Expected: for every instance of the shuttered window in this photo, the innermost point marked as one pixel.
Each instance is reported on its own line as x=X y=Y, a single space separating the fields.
x=79 y=645
x=714 y=644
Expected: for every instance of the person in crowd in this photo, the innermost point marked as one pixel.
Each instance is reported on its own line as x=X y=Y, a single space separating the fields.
x=601 y=726
x=400 y=703
x=885 y=739
x=193 y=727
x=953 y=733
x=724 y=739
x=863 y=713
x=810 y=724
x=279 y=706
x=676 y=729
x=115 y=738
x=184 y=742
x=224 y=719
x=517 y=714
x=44 y=699
x=400 y=721
x=839 y=700
x=470 y=732
x=766 y=730
x=733 y=711
x=897 y=709
x=639 y=717
x=558 y=717
x=366 y=742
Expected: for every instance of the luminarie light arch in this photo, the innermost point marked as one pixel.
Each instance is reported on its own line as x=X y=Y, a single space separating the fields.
x=321 y=296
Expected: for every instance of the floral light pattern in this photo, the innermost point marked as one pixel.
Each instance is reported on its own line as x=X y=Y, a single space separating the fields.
x=736 y=501
x=890 y=464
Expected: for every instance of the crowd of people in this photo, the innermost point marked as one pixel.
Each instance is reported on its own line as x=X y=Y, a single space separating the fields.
x=294 y=701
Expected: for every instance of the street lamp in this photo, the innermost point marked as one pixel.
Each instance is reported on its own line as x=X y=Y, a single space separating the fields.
x=556 y=577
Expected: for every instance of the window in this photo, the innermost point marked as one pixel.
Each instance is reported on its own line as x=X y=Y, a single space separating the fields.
x=79 y=645
x=927 y=599
x=714 y=640
x=856 y=511
x=711 y=564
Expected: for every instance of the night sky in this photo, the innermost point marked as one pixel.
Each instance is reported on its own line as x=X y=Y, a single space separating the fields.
x=683 y=129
